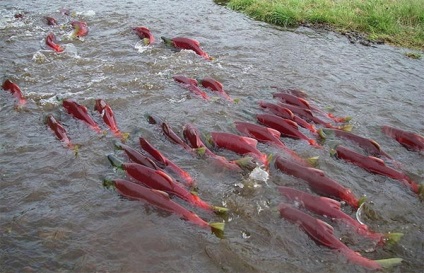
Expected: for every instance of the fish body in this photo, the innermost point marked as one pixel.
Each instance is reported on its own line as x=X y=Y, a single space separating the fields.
x=287 y=114
x=191 y=135
x=165 y=162
x=157 y=198
x=51 y=42
x=80 y=112
x=108 y=116
x=267 y=135
x=286 y=127
x=80 y=28
x=239 y=144
x=292 y=99
x=159 y=180
x=187 y=44
x=216 y=86
x=367 y=144
x=14 y=89
x=58 y=130
x=323 y=234
x=376 y=166
x=137 y=157
x=307 y=115
x=329 y=208
x=192 y=85
x=409 y=140
x=167 y=130
x=303 y=103
x=145 y=34
x=317 y=181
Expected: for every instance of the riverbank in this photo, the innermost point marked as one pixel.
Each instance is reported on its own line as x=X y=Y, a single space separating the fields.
x=399 y=23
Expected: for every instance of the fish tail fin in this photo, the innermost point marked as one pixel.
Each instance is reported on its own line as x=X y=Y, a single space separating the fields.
x=347 y=127
x=388 y=263
x=322 y=134
x=421 y=191
x=201 y=151
x=74 y=148
x=392 y=237
x=217 y=228
x=219 y=210
x=312 y=161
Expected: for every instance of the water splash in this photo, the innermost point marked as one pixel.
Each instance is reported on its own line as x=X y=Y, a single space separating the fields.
x=259 y=174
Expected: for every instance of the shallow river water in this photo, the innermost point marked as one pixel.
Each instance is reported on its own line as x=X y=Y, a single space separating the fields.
x=57 y=217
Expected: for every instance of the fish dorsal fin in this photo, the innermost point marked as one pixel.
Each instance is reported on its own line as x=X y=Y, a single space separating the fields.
x=331 y=202
x=166 y=176
x=292 y=124
x=329 y=229
x=274 y=132
x=317 y=171
x=377 y=160
x=304 y=102
x=162 y=193
x=289 y=112
x=251 y=141
x=373 y=142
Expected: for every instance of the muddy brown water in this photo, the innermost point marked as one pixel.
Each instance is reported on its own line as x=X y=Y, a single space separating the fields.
x=57 y=217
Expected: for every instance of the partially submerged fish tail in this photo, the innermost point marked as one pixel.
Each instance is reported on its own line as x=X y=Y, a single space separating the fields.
x=392 y=237
x=217 y=228
x=388 y=263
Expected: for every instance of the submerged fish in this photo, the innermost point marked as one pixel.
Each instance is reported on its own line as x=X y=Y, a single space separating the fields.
x=59 y=131
x=80 y=112
x=286 y=127
x=318 y=181
x=330 y=208
x=160 y=200
x=191 y=85
x=323 y=234
x=216 y=86
x=159 y=180
x=186 y=43
x=377 y=166
x=409 y=140
x=108 y=117
x=239 y=144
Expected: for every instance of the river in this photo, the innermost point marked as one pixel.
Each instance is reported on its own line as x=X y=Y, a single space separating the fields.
x=57 y=217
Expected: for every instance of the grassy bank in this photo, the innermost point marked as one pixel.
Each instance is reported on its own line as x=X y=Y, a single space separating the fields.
x=397 y=22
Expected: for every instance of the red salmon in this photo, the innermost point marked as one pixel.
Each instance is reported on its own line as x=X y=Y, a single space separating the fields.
x=160 y=200
x=186 y=43
x=323 y=234
x=51 y=42
x=409 y=140
x=145 y=34
x=13 y=88
x=318 y=181
x=80 y=112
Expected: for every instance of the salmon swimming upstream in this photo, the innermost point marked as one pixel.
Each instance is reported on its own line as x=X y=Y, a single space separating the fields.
x=323 y=234
x=161 y=200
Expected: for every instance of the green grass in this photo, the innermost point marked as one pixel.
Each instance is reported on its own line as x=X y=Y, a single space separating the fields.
x=396 y=22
